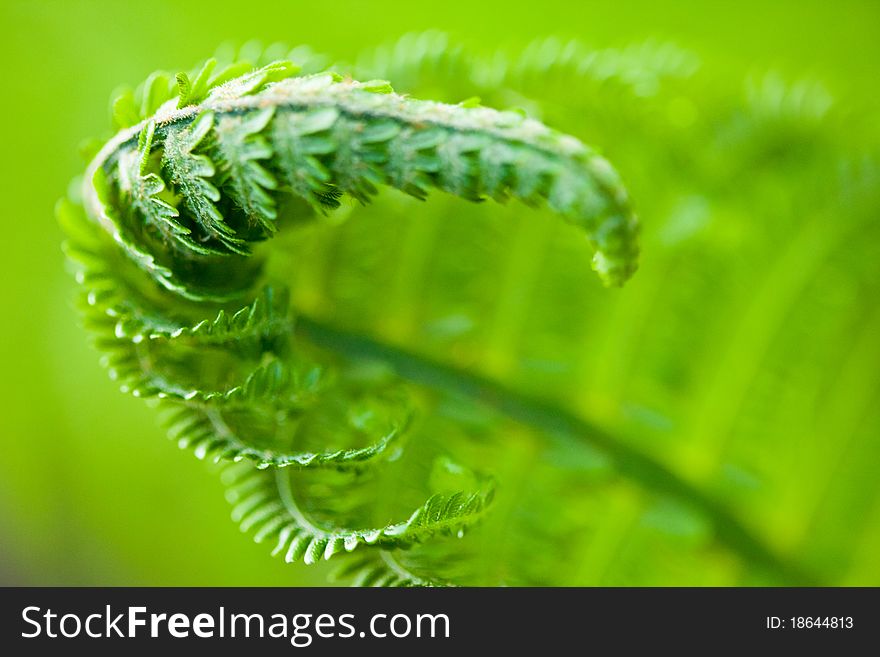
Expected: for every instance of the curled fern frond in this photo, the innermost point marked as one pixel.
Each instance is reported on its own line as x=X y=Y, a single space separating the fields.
x=186 y=213
x=355 y=137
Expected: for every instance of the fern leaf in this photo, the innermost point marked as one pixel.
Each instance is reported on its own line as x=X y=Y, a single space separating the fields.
x=264 y=502
x=181 y=313
x=240 y=147
x=155 y=92
x=252 y=82
x=299 y=139
x=192 y=91
x=144 y=188
x=123 y=110
x=205 y=433
x=267 y=315
x=189 y=173
x=380 y=138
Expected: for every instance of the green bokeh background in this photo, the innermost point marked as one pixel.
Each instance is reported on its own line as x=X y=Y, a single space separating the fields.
x=91 y=494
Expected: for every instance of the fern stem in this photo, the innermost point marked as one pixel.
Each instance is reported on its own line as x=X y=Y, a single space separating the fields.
x=558 y=424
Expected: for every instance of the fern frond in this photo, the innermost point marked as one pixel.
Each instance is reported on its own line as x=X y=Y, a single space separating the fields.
x=143 y=190
x=344 y=358
x=640 y=68
x=192 y=91
x=189 y=173
x=264 y=502
x=267 y=315
x=373 y=138
x=253 y=82
x=430 y=61
x=300 y=139
x=239 y=151
x=181 y=295
x=208 y=436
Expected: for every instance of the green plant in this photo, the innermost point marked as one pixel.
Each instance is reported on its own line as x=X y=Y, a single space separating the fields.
x=375 y=373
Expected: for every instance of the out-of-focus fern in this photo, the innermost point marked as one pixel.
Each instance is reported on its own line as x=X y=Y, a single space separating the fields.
x=374 y=368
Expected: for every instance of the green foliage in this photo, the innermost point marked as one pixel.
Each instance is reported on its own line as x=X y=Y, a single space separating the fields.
x=264 y=502
x=345 y=359
x=189 y=173
x=144 y=189
x=239 y=150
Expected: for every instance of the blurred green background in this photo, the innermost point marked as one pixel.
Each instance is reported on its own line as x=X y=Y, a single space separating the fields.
x=85 y=503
